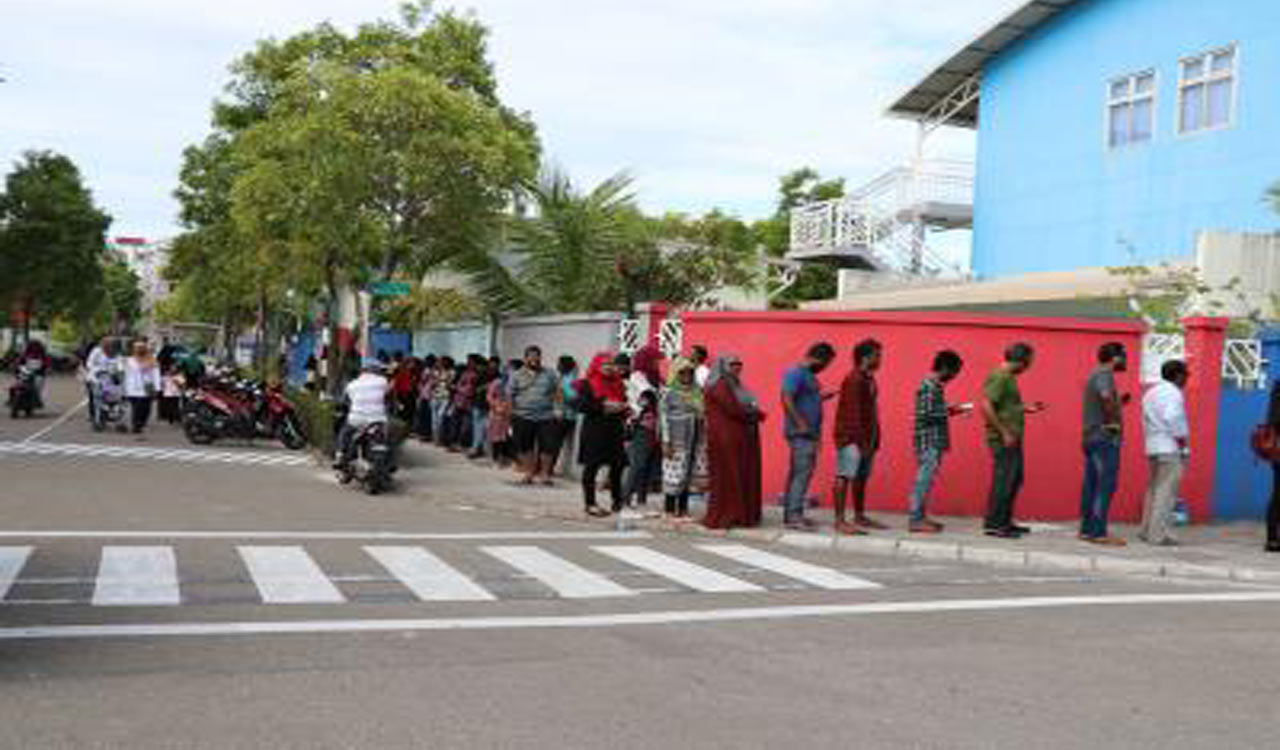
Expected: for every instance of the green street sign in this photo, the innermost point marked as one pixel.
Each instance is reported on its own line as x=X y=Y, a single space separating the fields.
x=389 y=289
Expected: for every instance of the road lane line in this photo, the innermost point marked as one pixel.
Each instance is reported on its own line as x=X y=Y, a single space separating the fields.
x=12 y=559
x=427 y=576
x=814 y=575
x=566 y=579
x=137 y=576
x=372 y=535
x=57 y=422
x=685 y=573
x=623 y=620
x=288 y=575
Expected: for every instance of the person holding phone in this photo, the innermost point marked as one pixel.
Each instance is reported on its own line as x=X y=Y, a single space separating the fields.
x=1005 y=417
x=1103 y=405
x=933 y=435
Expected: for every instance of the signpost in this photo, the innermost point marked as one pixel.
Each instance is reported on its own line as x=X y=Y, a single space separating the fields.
x=389 y=289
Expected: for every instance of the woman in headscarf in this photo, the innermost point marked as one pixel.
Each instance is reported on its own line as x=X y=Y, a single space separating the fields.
x=499 y=416
x=684 y=461
x=733 y=447
x=602 y=401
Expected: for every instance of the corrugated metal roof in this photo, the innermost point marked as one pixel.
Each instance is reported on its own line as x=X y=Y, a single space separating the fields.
x=964 y=64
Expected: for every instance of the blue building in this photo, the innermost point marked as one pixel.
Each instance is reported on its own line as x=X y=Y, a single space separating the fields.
x=1112 y=131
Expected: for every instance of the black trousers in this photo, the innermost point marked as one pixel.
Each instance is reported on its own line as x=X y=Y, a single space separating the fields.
x=141 y=406
x=589 y=473
x=1273 y=512
x=1006 y=482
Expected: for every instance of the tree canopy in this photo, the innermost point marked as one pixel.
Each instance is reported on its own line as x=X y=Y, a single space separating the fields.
x=52 y=240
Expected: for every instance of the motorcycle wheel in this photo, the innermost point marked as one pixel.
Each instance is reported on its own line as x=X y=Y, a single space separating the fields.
x=193 y=427
x=291 y=433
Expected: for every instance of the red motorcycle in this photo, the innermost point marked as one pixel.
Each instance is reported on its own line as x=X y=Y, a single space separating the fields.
x=220 y=409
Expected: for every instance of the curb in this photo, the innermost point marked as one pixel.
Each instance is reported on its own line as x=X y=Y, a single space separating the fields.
x=915 y=549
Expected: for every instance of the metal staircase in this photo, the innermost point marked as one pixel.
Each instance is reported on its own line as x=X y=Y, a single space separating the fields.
x=885 y=224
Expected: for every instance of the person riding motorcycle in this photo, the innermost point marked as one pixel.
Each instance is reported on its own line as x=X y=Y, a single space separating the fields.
x=366 y=398
x=35 y=359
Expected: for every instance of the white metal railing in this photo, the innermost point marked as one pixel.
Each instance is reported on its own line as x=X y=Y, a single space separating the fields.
x=1158 y=348
x=879 y=216
x=1243 y=363
x=671 y=337
x=628 y=336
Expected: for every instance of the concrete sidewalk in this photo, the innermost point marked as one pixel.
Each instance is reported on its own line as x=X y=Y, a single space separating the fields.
x=1226 y=552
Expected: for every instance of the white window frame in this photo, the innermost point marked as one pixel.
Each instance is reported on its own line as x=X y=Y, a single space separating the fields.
x=1131 y=98
x=1208 y=77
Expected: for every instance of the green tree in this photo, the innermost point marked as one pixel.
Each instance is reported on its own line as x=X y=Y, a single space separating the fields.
x=795 y=189
x=52 y=240
x=342 y=158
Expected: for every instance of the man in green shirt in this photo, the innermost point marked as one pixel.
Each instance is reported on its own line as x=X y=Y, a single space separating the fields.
x=1004 y=413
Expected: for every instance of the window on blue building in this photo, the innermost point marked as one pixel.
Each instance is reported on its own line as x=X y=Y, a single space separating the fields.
x=1206 y=91
x=1131 y=109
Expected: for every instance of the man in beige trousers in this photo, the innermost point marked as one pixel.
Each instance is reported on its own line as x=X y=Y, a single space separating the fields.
x=1164 y=419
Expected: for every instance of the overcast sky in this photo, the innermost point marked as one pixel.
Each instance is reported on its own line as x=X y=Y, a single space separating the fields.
x=707 y=102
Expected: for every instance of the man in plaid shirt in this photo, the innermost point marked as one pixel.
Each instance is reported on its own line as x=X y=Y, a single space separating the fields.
x=932 y=434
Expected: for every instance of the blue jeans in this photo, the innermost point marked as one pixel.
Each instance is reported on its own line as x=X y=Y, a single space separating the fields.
x=479 y=429
x=804 y=459
x=1101 y=473
x=930 y=460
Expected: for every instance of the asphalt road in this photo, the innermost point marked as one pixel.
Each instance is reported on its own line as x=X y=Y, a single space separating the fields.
x=154 y=599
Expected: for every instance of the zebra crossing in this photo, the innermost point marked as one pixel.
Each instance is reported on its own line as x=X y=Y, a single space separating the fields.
x=180 y=455
x=151 y=575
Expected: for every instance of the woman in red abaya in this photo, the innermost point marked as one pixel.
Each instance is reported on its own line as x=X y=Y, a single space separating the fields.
x=733 y=448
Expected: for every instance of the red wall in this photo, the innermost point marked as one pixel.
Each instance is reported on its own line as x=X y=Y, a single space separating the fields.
x=1066 y=350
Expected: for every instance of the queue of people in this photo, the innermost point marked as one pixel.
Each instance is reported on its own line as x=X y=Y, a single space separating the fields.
x=697 y=431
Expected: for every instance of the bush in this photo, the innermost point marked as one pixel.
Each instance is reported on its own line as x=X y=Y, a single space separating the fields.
x=316 y=416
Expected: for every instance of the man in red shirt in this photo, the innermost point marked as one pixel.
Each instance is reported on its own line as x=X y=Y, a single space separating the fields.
x=857 y=437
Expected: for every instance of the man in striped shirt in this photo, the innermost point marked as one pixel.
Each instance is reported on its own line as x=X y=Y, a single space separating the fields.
x=933 y=435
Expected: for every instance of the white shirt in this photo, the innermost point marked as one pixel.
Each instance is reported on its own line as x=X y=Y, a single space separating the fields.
x=368 y=397
x=97 y=362
x=701 y=374
x=137 y=377
x=1164 y=419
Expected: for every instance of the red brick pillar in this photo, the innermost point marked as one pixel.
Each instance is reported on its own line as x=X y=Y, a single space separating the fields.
x=1205 y=341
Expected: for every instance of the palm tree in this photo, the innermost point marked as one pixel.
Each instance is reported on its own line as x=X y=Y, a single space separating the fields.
x=563 y=258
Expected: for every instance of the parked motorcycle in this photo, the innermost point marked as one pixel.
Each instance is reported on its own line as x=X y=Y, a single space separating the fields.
x=370 y=460
x=24 y=393
x=221 y=408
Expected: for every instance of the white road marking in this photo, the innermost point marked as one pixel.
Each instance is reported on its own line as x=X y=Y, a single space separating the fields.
x=630 y=619
x=814 y=575
x=427 y=575
x=685 y=573
x=248 y=458
x=372 y=535
x=568 y=580
x=137 y=576
x=288 y=575
x=57 y=422
x=11 y=561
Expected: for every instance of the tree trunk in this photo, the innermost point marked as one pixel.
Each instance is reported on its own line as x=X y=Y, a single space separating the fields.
x=334 y=359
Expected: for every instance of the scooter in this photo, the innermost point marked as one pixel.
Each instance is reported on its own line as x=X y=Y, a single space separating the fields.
x=24 y=394
x=370 y=460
